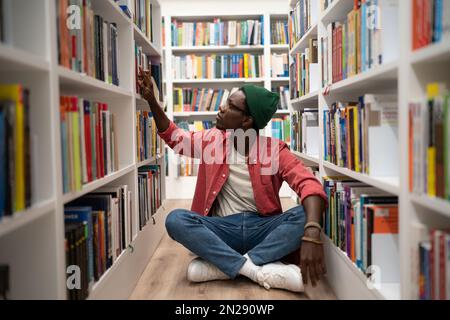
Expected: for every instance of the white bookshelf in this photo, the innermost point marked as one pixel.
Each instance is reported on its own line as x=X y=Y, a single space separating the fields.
x=184 y=187
x=406 y=76
x=32 y=241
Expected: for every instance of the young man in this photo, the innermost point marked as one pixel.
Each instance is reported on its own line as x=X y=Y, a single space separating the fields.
x=236 y=225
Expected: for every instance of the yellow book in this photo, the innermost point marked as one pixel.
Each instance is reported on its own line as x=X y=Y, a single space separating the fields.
x=76 y=144
x=15 y=94
x=199 y=67
x=198 y=125
x=356 y=133
x=434 y=90
x=246 y=65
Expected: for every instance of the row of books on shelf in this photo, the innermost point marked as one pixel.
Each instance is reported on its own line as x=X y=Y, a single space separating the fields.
x=186 y=166
x=98 y=227
x=281 y=129
x=146 y=63
x=280 y=32
x=359 y=44
x=200 y=99
x=434 y=265
x=150 y=193
x=93 y=47
x=149 y=144
x=304 y=71
x=217 y=33
x=431 y=22
x=15 y=153
x=283 y=91
x=363 y=136
x=218 y=66
x=305 y=132
x=141 y=11
x=429 y=139
x=363 y=222
x=302 y=18
x=280 y=65
x=88 y=141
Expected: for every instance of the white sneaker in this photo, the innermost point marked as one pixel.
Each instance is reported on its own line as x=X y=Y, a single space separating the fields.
x=200 y=270
x=281 y=276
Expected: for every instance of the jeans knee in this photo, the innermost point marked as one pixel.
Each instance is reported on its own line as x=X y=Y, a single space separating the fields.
x=174 y=222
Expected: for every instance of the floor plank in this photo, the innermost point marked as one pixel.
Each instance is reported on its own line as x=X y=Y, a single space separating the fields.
x=165 y=277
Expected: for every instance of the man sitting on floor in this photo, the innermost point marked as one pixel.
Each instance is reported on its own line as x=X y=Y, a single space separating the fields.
x=237 y=226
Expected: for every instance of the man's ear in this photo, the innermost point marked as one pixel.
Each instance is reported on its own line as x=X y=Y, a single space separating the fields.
x=248 y=123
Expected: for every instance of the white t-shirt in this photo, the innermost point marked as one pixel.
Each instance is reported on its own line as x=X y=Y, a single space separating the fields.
x=236 y=195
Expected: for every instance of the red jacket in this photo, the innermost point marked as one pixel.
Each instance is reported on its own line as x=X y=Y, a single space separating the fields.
x=266 y=173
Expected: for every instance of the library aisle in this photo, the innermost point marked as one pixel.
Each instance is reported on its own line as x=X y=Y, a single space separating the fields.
x=86 y=183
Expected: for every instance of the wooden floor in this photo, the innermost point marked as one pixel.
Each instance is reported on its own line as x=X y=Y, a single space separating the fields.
x=165 y=277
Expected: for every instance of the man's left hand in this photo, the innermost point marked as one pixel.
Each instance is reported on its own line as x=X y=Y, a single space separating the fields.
x=312 y=260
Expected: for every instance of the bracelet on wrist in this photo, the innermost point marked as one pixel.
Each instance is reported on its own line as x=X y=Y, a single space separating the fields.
x=307 y=239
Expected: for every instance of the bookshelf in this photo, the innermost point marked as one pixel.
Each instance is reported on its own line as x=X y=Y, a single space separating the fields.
x=406 y=76
x=32 y=241
x=183 y=187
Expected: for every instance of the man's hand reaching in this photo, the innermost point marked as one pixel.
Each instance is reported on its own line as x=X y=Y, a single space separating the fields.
x=146 y=87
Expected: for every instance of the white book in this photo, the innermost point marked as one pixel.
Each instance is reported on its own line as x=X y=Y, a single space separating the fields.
x=312 y=133
x=389 y=42
x=446 y=26
x=314 y=77
x=314 y=12
x=212 y=40
x=382 y=131
x=386 y=255
x=231 y=33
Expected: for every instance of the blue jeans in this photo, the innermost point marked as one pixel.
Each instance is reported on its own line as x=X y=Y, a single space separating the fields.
x=224 y=241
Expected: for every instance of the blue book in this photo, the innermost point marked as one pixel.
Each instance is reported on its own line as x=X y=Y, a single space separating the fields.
x=262 y=30
x=84 y=215
x=219 y=100
x=3 y=168
x=438 y=10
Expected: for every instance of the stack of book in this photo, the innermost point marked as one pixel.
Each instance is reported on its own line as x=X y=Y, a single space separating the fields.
x=15 y=155
x=88 y=140
x=305 y=132
x=199 y=99
x=283 y=91
x=149 y=144
x=429 y=139
x=149 y=182
x=431 y=22
x=280 y=33
x=217 y=33
x=98 y=227
x=218 y=66
x=304 y=71
x=280 y=65
x=363 y=222
x=434 y=263
x=357 y=45
x=302 y=18
x=281 y=129
x=363 y=136
x=91 y=47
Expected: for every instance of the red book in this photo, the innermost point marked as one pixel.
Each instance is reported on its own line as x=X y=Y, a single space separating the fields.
x=427 y=21
x=339 y=52
x=241 y=67
x=442 y=261
x=88 y=138
x=334 y=56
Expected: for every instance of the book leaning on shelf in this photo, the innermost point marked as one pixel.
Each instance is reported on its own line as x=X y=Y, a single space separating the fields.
x=304 y=71
x=15 y=153
x=150 y=197
x=363 y=136
x=217 y=33
x=200 y=99
x=92 y=48
x=355 y=46
x=305 y=132
x=363 y=222
x=431 y=22
x=98 y=227
x=302 y=18
x=88 y=141
x=429 y=139
x=280 y=65
x=218 y=66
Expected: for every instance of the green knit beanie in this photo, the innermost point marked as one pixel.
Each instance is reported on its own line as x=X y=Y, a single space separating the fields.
x=262 y=104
